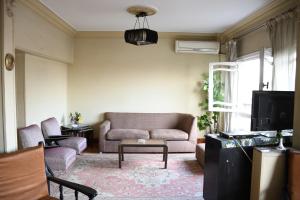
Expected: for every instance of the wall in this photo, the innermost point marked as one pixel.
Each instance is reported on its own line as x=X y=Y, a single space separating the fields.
x=2 y=140
x=20 y=89
x=110 y=75
x=36 y=35
x=45 y=91
x=254 y=41
x=44 y=50
x=8 y=99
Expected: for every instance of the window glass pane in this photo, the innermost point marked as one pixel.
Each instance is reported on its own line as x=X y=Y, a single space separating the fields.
x=268 y=73
x=248 y=81
x=249 y=72
x=223 y=93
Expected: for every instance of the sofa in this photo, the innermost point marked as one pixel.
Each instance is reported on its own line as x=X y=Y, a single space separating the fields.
x=179 y=130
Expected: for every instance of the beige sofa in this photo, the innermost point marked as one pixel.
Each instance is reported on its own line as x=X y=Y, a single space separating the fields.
x=179 y=130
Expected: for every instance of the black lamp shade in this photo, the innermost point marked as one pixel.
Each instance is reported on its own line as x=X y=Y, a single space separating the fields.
x=142 y=36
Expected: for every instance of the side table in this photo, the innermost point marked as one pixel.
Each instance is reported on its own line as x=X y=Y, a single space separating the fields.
x=82 y=130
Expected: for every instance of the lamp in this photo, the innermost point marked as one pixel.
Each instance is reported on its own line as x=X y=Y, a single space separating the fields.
x=141 y=35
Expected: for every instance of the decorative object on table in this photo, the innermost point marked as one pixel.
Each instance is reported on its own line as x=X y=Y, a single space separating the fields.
x=280 y=139
x=75 y=118
x=209 y=121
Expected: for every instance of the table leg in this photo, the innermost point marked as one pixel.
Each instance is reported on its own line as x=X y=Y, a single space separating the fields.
x=166 y=156
x=120 y=153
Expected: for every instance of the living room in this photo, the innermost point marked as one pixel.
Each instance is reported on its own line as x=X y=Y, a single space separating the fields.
x=72 y=57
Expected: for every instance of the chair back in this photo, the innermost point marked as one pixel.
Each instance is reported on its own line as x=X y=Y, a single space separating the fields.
x=30 y=136
x=50 y=127
x=23 y=174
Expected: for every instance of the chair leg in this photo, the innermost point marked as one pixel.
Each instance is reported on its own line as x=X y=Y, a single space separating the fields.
x=61 y=195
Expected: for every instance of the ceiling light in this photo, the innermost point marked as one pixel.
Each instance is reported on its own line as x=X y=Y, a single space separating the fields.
x=140 y=35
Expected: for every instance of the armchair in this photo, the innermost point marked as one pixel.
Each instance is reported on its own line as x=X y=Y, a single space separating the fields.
x=58 y=158
x=24 y=176
x=51 y=130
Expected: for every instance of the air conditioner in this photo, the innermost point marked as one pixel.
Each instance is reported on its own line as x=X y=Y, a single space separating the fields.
x=201 y=47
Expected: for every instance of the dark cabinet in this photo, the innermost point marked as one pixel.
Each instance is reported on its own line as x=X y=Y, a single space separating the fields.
x=227 y=173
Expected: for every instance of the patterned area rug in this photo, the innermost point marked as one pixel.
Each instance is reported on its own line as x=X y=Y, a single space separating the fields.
x=142 y=177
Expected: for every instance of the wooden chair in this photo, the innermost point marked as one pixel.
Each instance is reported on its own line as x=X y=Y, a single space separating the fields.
x=25 y=176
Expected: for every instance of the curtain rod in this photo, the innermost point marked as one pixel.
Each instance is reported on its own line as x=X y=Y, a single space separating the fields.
x=250 y=31
x=239 y=37
x=261 y=25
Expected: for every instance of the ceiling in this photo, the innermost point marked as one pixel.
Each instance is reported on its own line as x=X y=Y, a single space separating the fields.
x=192 y=16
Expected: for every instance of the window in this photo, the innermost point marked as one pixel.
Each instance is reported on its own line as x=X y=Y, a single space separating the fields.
x=236 y=81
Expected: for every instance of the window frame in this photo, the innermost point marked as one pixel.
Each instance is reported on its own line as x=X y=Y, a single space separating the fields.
x=233 y=106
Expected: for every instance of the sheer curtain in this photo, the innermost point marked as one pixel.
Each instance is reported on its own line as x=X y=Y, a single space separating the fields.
x=231 y=55
x=282 y=32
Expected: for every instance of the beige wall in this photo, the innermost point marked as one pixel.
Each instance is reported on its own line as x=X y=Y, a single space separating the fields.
x=110 y=75
x=8 y=96
x=254 y=41
x=20 y=89
x=36 y=35
x=45 y=88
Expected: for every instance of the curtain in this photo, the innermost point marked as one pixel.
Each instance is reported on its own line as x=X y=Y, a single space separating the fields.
x=231 y=55
x=282 y=33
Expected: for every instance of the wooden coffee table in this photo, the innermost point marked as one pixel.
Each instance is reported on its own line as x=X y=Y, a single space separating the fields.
x=148 y=143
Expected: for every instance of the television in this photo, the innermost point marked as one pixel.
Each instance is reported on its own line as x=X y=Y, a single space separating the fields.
x=272 y=110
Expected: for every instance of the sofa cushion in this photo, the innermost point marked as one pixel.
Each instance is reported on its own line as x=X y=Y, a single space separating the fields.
x=119 y=134
x=145 y=121
x=168 y=134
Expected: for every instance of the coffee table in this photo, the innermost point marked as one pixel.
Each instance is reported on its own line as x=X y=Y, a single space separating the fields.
x=148 y=143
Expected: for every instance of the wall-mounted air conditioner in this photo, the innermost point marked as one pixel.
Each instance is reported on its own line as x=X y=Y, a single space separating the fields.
x=201 y=47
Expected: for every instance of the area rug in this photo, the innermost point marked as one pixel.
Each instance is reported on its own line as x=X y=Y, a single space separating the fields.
x=142 y=177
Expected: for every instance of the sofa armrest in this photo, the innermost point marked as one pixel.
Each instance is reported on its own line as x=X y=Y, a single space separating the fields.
x=193 y=134
x=104 y=128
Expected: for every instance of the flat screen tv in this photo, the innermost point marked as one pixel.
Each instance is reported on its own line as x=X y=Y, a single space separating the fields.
x=272 y=110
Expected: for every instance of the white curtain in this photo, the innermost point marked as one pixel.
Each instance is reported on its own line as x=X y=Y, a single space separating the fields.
x=231 y=55
x=282 y=32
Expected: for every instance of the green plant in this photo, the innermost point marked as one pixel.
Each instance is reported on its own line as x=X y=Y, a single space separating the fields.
x=208 y=119
x=75 y=117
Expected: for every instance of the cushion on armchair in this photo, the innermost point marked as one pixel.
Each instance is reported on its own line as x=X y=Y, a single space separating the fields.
x=60 y=158
x=168 y=134
x=77 y=143
x=119 y=134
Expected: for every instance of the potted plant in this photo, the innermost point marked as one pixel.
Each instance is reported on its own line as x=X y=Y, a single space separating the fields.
x=75 y=118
